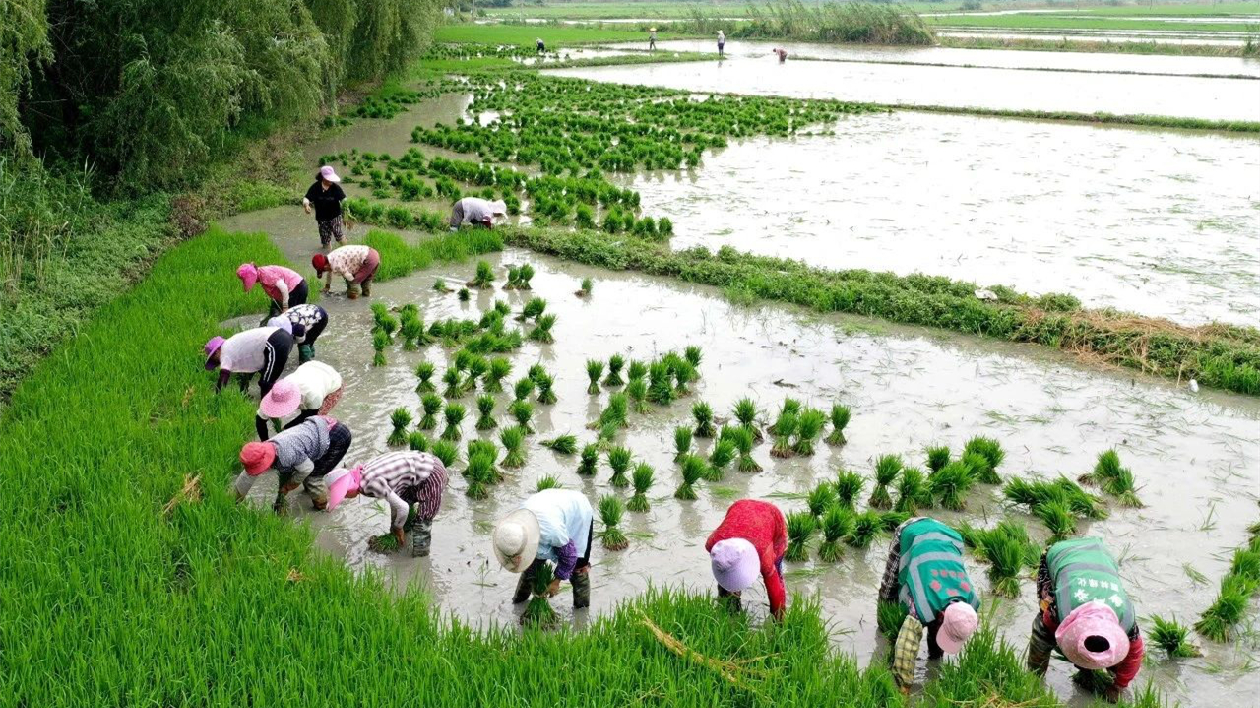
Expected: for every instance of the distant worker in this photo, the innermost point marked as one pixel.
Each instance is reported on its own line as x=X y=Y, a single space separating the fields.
x=474 y=210
x=313 y=319
x=555 y=525
x=406 y=481
x=1085 y=614
x=926 y=574
x=284 y=286
x=750 y=541
x=326 y=195
x=782 y=54
x=538 y=44
x=303 y=455
x=262 y=350
x=652 y=39
x=356 y=264
x=721 y=43
x=313 y=389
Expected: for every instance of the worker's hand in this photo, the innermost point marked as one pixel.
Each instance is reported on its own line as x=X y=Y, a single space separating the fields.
x=307 y=208
x=401 y=535
x=554 y=588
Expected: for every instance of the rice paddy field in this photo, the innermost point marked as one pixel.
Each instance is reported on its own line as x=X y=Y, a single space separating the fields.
x=1016 y=291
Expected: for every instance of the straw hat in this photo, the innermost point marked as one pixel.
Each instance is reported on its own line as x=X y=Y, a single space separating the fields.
x=257 y=457
x=515 y=540
x=282 y=400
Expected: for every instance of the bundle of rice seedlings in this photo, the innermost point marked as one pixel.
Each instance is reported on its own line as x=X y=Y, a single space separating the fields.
x=424 y=377
x=743 y=440
x=379 y=341
x=563 y=444
x=400 y=419
x=454 y=383
x=500 y=367
x=477 y=367
x=683 y=373
x=809 y=425
x=486 y=447
x=637 y=390
x=1217 y=621
x=523 y=388
x=660 y=387
x=513 y=441
x=446 y=451
x=454 y=418
x=412 y=332
x=746 y=413
x=418 y=441
x=783 y=430
x=912 y=491
x=636 y=370
x=463 y=359
x=887 y=467
x=503 y=308
x=615 y=363
x=513 y=277
x=837 y=523
x=619 y=461
x=539 y=613
x=586 y=288
x=888 y=618
x=610 y=511
x=547 y=481
x=682 y=442
x=480 y=475
x=615 y=414
x=937 y=458
x=1057 y=517
x=546 y=396
x=1172 y=638
x=594 y=369
x=465 y=294
x=642 y=478
x=790 y=406
x=380 y=313
x=523 y=412
x=1081 y=502
x=483 y=277
x=704 y=420
x=1108 y=466
x=388 y=325
x=1246 y=562
x=533 y=309
x=839 y=420
x=1006 y=555
x=719 y=457
x=867 y=526
x=485 y=407
x=848 y=488
x=440 y=286
x=988 y=450
x=526 y=276
x=693 y=468
x=821 y=498
x=1115 y=480
x=950 y=485
x=694 y=355
x=800 y=527
x=588 y=465
x=890 y=520
x=431 y=403
x=541 y=332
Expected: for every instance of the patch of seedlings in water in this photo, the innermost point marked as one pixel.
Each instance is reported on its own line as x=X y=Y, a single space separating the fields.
x=532 y=310
x=513 y=441
x=719 y=458
x=547 y=481
x=539 y=613
x=887 y=467
x=637 y=390
x=431 y=403
x=950 y=485
x=746 y=413
x=1114 y=479
x=546 y=395
x=703 y=414
x=563 y=444
x=454 y=383
x=454 y=419
x=1008 y=551
x=637 y=370
x=848 y=488
x=800 y=527
x=483 y=277
x=867 y=527
x=594 y=370
x=616 y=363
x=380 y=340
x=541 y=332
x=984 y=455
x=586 y=288
x=1173 y=638
x=477 y=367
x=809 y=425
x=485 y=409
x=783 y=429
x=400 y=419
x=588 y=465
x=682 y=442
x=465 y=294
x=840 y=416
x=615 y=415
x=480 y=474
x=413 y=332
x=418 y=441
x=693 y=468
x=742 y=438
x=836 y=523
x=642 y=479
x=693 y=355
x=912 y=491
x=821 y=498
x=446 y=451
x=619 y=462
x=684 y=374
x=660 y=385
x=610 y=512
x=499 y=370
x=888 y=618
x=523 y=389
x=937 y=458
x=519 y=278
x=1062 y=491
x=424 y=377
x=440 y=286
x=523 y=413
x=1230 y=606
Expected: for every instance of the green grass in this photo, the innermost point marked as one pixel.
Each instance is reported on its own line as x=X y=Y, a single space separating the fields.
x=400 y=258
x=524 y=36
x=1039 y=22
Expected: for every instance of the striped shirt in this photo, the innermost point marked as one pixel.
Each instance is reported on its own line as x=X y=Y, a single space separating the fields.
x=347 y=260
x=278 y=282
x=418 y=476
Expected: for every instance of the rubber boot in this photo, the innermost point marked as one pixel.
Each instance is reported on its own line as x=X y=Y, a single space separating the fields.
x=367 y=288
x=352 y=291
x=524 y=587
x=1038 y=658
x=581 y=580
x=421 y=538
x=305 y=353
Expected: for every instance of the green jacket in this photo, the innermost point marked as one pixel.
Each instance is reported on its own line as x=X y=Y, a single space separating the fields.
x=932 y=574
x=1082 y=570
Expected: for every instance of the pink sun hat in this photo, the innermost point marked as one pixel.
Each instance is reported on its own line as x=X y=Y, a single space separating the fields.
x=213 y=346
x=958 y=623
x=248 y=273
x=282 y=400
x=342 y=483
x=735 y=563
x=328 y=173
x=1091 y=636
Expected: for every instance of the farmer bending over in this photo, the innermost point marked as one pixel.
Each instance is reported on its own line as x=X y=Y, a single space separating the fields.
x=314 y=388
x=262 y=350
x=474 y=210
x=539 y=45
x=751 y=540
x=355 y=264
x=926 y=574
x=407 y=481
x=303 y=454
x=1085 y=614
x=284 y=286
x=554 y=525
x=309 y=319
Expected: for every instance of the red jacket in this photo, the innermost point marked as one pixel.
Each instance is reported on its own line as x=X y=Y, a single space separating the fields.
x=761 y=524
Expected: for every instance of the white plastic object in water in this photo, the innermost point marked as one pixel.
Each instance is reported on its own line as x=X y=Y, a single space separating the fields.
x=1194 y=386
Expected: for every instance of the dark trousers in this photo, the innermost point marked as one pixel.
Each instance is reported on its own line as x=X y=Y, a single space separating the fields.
x=297 y=296
x=275 y=356
x=313 y=332
x=338 y=444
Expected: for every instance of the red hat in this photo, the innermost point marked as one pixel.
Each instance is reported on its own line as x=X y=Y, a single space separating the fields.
x=319 y=262
x=257 y=457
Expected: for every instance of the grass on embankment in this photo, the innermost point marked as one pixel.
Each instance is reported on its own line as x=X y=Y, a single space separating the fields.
x=1060 y=44
x=1073 y=23
x=524 y=36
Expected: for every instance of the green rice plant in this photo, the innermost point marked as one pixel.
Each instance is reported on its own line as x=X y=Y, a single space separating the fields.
x=950 y=485
x=1082 y=503
x=704 y=420
x=454 y=383
x=616 y=414
x=694 y=355
x=465 y=294
x=887 y=467
x=532 y=309
x=809 y=426
x=563 y=444
x=380 y=340
x=837 y=523
x=446 y=451
x=523 y=412
x=1006 y=554
x=684 y=373
x=594 y=370
x=637 y=370
x=719 y=458
x=800 y=527
x=792 y=407
x=888 y=618
x=400 y=419
x=616 y=363
x=978 y=467
x=1246 y=563
x=483 y=277
x=380 y=313
x=1114 y=479
x=523 y=389
x=1108 y=466
x=503 y=308
x=588 y=465
x=848 y=488
x=742 y=438
x=821 y=498
x=783 y=430
x=587 y=286
x=547 y=481
x=867 y=526
x=418 y=441
x=513 y=277
x=431 y=403
x=440 y=286
x=424 y=377
x=412 y=332
x=477 y=367
x=499 y=370
x=619 y=462
x=682 y=442
x=488 y=449
x=480 y=474
x=454 y=418
x=513 y=441
x=891 y=520
x=746 y=413
x=539 y=613
x=1170 y=636
x=546 y=394
x=660 y=387
x=912 y=491
x=1057 y=517
x=693 y=468
x=388 y=325
x=610 y=512
x=937 y=458
x=541 y=332
x=527 y=273
x=485 y=407
x=642 y=478
x=839 y=421
x=991 y=451
x=637 y=390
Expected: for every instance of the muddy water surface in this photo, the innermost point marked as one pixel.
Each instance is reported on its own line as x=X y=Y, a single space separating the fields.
x=1195 y=455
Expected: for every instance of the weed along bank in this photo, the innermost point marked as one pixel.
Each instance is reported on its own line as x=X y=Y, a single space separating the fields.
x=707 y=393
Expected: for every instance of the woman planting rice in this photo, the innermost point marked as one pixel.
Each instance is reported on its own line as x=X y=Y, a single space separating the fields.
x=284 y=286
x=326 y=195
x=303 y=454
x=312 y=319
x=1085 y=614
x=356 y=265
x=313 y=389
x=554 y=525
x=925 y=573
x=750 y=540
x=262 y=350
x=406 y=481
x=474 y=210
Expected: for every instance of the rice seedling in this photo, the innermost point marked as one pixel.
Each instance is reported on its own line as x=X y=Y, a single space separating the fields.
x=480 y=474
x=446 y=451
x=500 y=367
x=380 y=313
x=380 y=340
x=839 y=421
x=746 y=413
x=527 y=272
x=424 y=377
x=485 y=407
x=682 y=442
x=693 y=468
x=563 y=444
x=887 y=467
x=1107 y=466
x=950 y=485
x=742 y=438
x=487 y=448
x=616 y=363
x=532 y=309
x=513 y=277
x=1114 y=479
x=684 y=373
x=1007 y=554
x=619 y=462
x=888 y=618
x=1217 y=621
x=523 y=412
x=537 y=371
x=809 y=425
x=660 y=387
x=539 y=613
x=477 y=367
x=978 y=467
x=637 y=390
x=642 y=478
x=890 y=520
x=594 y=370
x=388 y=325
x=912 y=491
x=693 y=355
x=637 y=370
x=1081 y=503
x=483 y=277
x=546 y=395
x=587 y=286
x=848 y=488
x=412 y=332
x=719 y=458
x=783 y=429
x=937 y=458
x=610 y=512
x=523 y=389
x=800 y=527
x=547 y=481
x=1246 y=563
x=400 y=419
x=991 y=452
x=418 y=441
x=454 y=418
x=616 y=413
x=465 y=294
x=704 y=420
x=790 y=406
x=513 y=441
x=588 y=465
x=837 y=523
x=440 y=286
x=431 y=403
x=454 y=383
x=1170 y=636
x=1057 y=517
x=821 y=498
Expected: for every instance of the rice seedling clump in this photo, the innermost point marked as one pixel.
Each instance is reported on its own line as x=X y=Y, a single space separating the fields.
x=704 y=420
x=454 y=419
x=800 y=527
x=642 y=478
x=485 y=409
x=513 y=441
x=594 y=369
x=887 y=467
x=610 y=512
x=837 y=523
x=809 y=426
x=840 y=416
x=616 y=363
x=619 y=462
x=563 y=444
x=400 y=419
x=693 y=468
x=682 y=442
x=539 y=613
